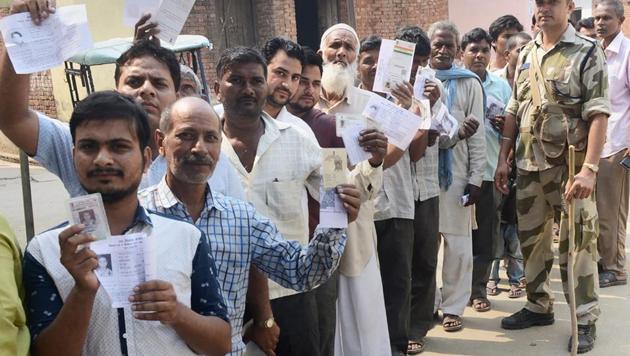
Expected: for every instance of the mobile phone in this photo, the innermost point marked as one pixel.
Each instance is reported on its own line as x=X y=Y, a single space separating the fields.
x=625 y=163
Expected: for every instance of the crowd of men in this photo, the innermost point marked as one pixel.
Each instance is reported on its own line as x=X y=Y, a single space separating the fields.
x=230 y=194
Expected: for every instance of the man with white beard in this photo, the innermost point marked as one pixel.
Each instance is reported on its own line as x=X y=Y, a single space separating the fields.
x=361 y=320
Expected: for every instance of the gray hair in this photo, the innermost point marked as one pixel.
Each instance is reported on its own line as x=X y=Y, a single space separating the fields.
x=446 y=26
x=188 y=73
x=165 y=119
x=513 y=41
x=616 y=4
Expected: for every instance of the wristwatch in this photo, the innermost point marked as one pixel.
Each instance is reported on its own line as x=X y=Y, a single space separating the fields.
x=593 y=167
x=267 y=324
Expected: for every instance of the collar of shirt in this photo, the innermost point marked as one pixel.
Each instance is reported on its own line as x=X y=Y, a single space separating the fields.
x=615 y=45
x=140 y=217
x=166 y=198
x=569 y=36
x=347 y=98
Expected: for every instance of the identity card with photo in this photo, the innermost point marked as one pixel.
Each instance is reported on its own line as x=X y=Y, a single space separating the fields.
x=89 y=211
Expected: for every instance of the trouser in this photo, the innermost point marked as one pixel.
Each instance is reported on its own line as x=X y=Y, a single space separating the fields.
x=424 y=264
x=395 y=250
x=361 y=320
x=612 y=208
x=485 y=238
x=326 y=299
x=539 y=195
x=456 y=274
x=511 y=250
x=296 y=316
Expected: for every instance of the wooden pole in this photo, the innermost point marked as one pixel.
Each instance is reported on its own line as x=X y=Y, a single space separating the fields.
x=571 y=256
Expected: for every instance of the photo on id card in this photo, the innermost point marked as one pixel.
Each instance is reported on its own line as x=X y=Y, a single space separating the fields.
x=89 y=211
x=335 y=163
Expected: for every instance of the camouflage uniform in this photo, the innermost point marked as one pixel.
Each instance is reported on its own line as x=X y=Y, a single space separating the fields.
x=575 y=73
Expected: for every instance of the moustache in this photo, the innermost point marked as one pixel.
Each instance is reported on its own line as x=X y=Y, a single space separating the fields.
x=105 y=171
x=199 y=160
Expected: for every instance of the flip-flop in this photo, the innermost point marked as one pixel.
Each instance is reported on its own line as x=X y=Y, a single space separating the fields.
x=452 y=323
x=415 y=347
x=477 y=304
x=609 y=279
x=515 y=292
x=492 y=288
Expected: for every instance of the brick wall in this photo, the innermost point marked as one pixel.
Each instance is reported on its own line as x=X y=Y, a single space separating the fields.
x=383 y=17
x=203 y=21
x=275 y=18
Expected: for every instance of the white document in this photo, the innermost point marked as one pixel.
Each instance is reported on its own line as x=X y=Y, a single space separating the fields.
x=350 y=136
x=171 y=17
x=494 y=108
x=33 y=48
x=124 y=262
x=342 y=120
x=399 y=125
x=134 y=9
x=89 y=211
x=425 y=112
x=395 y=60
x=332 y=213
x=445 y=123
x=423 y=75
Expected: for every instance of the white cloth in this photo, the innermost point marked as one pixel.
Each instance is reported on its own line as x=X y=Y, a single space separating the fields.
x=361 y=320
x=618 y=61
x=395 y=199
x=287 y=164
x=285 y=116
x=456 y=274
x=339 y=26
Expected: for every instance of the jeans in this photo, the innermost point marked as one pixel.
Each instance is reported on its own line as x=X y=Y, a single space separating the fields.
x=511 y=250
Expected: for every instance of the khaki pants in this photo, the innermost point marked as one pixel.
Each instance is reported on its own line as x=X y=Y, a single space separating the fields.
x=538 y=196
x=612 y=207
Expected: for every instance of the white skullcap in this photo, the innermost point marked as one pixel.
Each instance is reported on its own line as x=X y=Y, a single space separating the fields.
x=339 y=26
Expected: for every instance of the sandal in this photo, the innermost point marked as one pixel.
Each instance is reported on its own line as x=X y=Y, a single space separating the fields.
x=609 y=279
x=452 y=323
x=515 y=292
x=415 y=347
x=522 y=283
x=492 y=288
x=481 y=304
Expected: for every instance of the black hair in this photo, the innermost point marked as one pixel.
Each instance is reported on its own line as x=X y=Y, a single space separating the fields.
x=292 y=49
x=513 y=41
x=144 y=48
x=476 y=35
x=239 y=55
x=311 y=58
x=369 y=43
x=588 y=22
x=534 y=20
x=111 y=105
x=415 y=35
x=502 y=24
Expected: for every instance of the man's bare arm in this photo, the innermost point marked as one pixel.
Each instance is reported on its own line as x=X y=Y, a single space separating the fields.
x=419 y=145
x=502 y=172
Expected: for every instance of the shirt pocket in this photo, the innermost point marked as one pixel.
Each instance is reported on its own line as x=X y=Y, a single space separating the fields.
x=284 y=200
x=565 y=89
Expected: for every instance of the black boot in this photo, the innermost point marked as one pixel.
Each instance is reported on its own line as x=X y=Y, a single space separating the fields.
x=586 y=338
x=524 y=319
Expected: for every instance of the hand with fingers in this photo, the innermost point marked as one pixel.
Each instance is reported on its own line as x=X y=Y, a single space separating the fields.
x=501 y=174
x=468 y=127
x=474 y=193
x=582 y=187
x=39 y=9
x=403 y=93
x=498 y=122
x=146 y=30
x=266 y=338
x=155 y=300
x=433 y=136
x=79 y=261
x=375 y=142
x=432 y=91
x=351 y=198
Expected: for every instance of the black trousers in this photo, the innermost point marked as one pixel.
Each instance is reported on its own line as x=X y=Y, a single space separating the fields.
x=326 y=299
x=395 y=246
x=488 y=215
x=424 y=265
x=296 y=316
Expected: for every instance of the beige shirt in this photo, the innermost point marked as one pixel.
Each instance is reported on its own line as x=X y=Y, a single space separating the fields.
x=361 y=233
x=285 y=116
x=287 y=164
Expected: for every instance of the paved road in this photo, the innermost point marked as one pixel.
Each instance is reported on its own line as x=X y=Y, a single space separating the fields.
x=481 y=335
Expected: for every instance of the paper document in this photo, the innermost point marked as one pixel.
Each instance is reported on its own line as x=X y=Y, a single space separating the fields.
x=399 y=125
x=124 y=262
x=332 y=213
x=171 y=18
x=494 y=108
x=395 y=59
x=445 y=123
x=350 y=136
x=89 y=211
x=424 y=106
x=342 y=120
x=134 y=9
x=423 y=75
x=33 y=48
x=334 y=166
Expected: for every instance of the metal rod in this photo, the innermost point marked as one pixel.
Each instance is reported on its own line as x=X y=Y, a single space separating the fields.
x=26 y=196
x=571 y=256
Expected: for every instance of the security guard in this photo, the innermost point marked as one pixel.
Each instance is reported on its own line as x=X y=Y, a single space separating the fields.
x=560 y=99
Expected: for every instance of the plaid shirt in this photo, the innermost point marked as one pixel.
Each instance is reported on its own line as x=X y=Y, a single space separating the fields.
x=240 y=237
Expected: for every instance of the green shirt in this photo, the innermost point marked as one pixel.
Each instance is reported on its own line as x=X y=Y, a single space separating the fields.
x=576 y=70
x=14 y=335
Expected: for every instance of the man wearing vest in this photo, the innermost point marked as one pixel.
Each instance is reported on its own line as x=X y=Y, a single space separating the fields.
x=560 y=99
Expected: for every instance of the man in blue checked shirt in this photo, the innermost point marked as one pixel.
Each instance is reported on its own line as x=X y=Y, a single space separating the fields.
x=190 y=139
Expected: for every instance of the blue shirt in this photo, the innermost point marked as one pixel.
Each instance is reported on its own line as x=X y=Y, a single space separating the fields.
x=184 y=260
x=240 y=237
x=496 y=87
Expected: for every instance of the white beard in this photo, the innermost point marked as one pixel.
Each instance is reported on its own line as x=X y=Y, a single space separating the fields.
x=336 y=78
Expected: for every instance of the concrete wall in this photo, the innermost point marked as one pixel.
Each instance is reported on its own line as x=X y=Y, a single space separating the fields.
x=468 y=14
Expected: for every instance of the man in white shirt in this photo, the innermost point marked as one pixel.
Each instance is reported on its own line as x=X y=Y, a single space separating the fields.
x=613 y=179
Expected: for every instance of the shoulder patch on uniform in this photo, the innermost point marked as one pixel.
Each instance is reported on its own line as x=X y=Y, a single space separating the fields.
x=524 y=66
